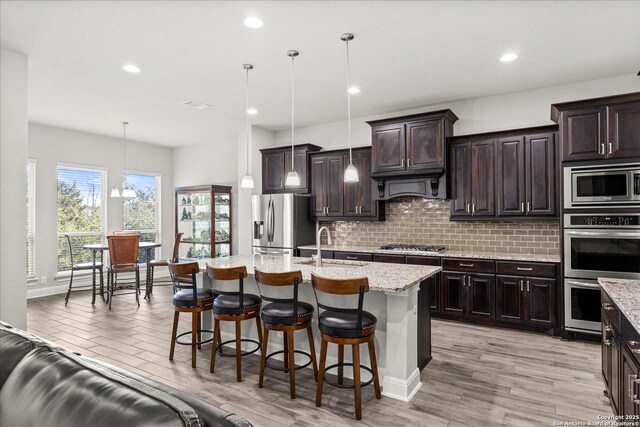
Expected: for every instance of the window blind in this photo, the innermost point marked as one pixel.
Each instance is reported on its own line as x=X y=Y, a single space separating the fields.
x=31 y=219
x=143 y=211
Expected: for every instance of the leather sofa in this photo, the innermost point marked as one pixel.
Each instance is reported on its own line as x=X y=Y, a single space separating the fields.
x=42 y=384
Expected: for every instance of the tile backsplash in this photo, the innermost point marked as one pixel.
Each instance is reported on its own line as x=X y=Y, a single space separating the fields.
x=424 y=221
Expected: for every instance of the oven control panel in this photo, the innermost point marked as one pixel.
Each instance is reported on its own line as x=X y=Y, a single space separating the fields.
x=602 y=221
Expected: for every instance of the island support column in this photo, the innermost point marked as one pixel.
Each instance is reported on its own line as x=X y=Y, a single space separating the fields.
x=401 y=375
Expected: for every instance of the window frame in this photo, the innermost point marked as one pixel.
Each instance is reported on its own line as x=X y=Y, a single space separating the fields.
x=31 y=219
x=158 y=210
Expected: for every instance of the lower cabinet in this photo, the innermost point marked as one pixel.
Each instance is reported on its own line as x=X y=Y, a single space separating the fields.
x=630 y=398
x=525 y=300
x=468 y=295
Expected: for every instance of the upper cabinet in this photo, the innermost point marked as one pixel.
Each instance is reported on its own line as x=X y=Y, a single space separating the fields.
x=504 y=174
x=333 y=198
x=276 y=164
x=602 y=128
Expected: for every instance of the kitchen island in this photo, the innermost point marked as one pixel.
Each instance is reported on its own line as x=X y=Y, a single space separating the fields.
x=397 y=298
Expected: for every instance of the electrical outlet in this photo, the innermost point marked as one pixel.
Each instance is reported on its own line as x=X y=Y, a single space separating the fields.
x=43 y=280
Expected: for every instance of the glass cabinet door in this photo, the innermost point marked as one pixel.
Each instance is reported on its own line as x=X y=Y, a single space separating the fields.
x=222 y=236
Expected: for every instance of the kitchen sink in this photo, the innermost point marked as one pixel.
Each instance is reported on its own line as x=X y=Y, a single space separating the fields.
x=333 y=263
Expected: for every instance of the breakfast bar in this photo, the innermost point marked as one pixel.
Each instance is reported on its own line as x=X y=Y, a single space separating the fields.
x=403 y=330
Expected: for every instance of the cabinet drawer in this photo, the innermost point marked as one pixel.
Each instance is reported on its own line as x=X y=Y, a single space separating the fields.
x=468 y=265
x=423 y=260
x=526 y=269
x=611 y=309
x=631 y=337
x=355 y=256
x=306 y=253
x=396 y=259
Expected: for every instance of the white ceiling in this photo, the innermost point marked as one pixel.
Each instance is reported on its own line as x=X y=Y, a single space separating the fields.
x=405 y=54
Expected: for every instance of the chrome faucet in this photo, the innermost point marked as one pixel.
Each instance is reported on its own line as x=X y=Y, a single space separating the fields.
x=319 y=255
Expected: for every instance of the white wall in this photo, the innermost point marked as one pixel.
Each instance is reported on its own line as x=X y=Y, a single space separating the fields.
x=501 y=112
x=209 y=164
x=50 y=146
x=13 y=187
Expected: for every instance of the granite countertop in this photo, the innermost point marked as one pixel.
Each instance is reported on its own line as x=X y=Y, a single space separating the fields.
x=505 y=256
x=382 y=277
x=625 y=293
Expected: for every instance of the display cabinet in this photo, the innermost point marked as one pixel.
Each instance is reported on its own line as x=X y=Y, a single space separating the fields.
x=203 y=215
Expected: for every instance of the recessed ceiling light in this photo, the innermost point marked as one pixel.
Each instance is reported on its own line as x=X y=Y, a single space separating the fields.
x=354 y=90
x=131 y=68
x=253 y=22
x=508 y=57
x=252 y=111
x=196 y=104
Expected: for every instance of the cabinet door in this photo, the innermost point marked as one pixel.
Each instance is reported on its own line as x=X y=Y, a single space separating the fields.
x=334 y=188
x=273 y=172
x=481 y=290
x=368 y=207
x=540 y=294
x=318 y=186
x=541 y=194
x=483 y=178
x=509 y=299
x=511 y=176
x=616 y=386
x=629 y=388
x=352 y=190
x=425 y=145
x=388 y=147
x=453 y=293
x=300 y=165
x=583 y=134
x=460 y=179
x=623 y=121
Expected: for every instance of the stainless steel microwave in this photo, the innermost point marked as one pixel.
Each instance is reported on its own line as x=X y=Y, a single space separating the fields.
x=602 y=185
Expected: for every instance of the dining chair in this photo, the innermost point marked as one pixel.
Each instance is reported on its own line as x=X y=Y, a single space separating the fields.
x=83 y=266
x=126 y=233
x=153 y=264
x=123 y=257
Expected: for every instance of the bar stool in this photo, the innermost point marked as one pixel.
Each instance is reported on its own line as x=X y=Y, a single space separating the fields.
x=83 y=266
x=287 y=315
x=234 y=306
x=344 y=326
x=123 y=257
x=161 y=263
x=191 y=299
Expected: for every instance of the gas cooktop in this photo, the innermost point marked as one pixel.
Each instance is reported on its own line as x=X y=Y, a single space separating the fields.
x=406 y=247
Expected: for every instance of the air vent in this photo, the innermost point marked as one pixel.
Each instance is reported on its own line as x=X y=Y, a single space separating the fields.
x=195 y=104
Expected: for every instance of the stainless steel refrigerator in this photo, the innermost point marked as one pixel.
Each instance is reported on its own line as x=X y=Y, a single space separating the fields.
x=280 y=223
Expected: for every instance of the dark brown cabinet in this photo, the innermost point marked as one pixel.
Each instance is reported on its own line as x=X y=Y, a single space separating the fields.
x=390 y=149
x=327 y=173
x=601 y=128
x=468 y=295
x=358 y=196
x=434 y=287
x=473 y=178
x=526 y=175
x=276 y=164
x=630 y=397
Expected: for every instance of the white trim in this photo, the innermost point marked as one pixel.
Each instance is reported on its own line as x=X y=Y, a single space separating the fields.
x=81 y=166
x=397 y=388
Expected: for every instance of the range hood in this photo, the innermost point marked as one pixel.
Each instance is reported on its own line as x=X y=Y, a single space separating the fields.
x=431 y=185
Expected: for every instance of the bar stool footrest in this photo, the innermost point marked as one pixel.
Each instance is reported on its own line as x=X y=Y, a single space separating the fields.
x=196 y=343
x=233 y=354
x=277 y=368
x=335 y=384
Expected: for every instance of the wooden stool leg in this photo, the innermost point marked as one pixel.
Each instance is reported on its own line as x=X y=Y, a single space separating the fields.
x=176 y=315
x=263 y=356
x=138 y=288
x=220 y=343
x=356 y=380
x=199 y=331
x=323 y=360
x=286 y=350
x=259 y=325
x=374 y=368
x=312 y=352
x=194 y=337
x=292 y=366
x=216 y=339
x=66 y=299
x=238 y=351
x=340 y=362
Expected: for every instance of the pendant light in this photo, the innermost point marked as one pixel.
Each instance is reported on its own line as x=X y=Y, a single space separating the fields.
x=247 y=179
x=126 y=192
x=350 y=173
x=115 y=192
x=293 y=180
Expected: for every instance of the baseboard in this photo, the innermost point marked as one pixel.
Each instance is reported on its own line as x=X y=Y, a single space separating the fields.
x=400 y=389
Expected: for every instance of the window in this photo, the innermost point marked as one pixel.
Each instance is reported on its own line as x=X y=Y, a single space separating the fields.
x=31 y=219
x=143 y=211
x=82 y=212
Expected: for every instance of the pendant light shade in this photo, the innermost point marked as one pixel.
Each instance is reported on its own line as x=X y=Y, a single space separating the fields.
x=128 y=193
x=114 y=191
x=247 y=179
x=293 y=180
x=350 y=173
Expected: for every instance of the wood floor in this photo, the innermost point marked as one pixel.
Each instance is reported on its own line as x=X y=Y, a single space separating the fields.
x=479 y=376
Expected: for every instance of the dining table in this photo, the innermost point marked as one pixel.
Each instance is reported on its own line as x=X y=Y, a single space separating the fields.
x=101 y=247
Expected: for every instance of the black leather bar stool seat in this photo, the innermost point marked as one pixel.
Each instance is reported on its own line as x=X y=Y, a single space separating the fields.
x=286 y=315
x=233 y=306
x=184 y=298
x=346 y=326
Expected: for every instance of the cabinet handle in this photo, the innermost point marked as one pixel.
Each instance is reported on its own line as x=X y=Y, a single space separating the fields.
x=629 y=385
x=607 y=328
x=528 y=286
x=610 y=148
x=521 y=286
x=351 y=257
x=465 y=265
x=636 y=401
x=607 y=306
x=281 y=183
x=525 y=268
x=602 y=149
x=522 y=207
x=403 y=163
x=635 y=350
x=473 y=208
x=606 y=342
x=636 y=381
x=528 y=207
x=409 y=161
x=468 y=208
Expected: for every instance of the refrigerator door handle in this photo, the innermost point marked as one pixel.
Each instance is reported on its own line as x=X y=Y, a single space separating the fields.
x=272 y=221
x=269 y=221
